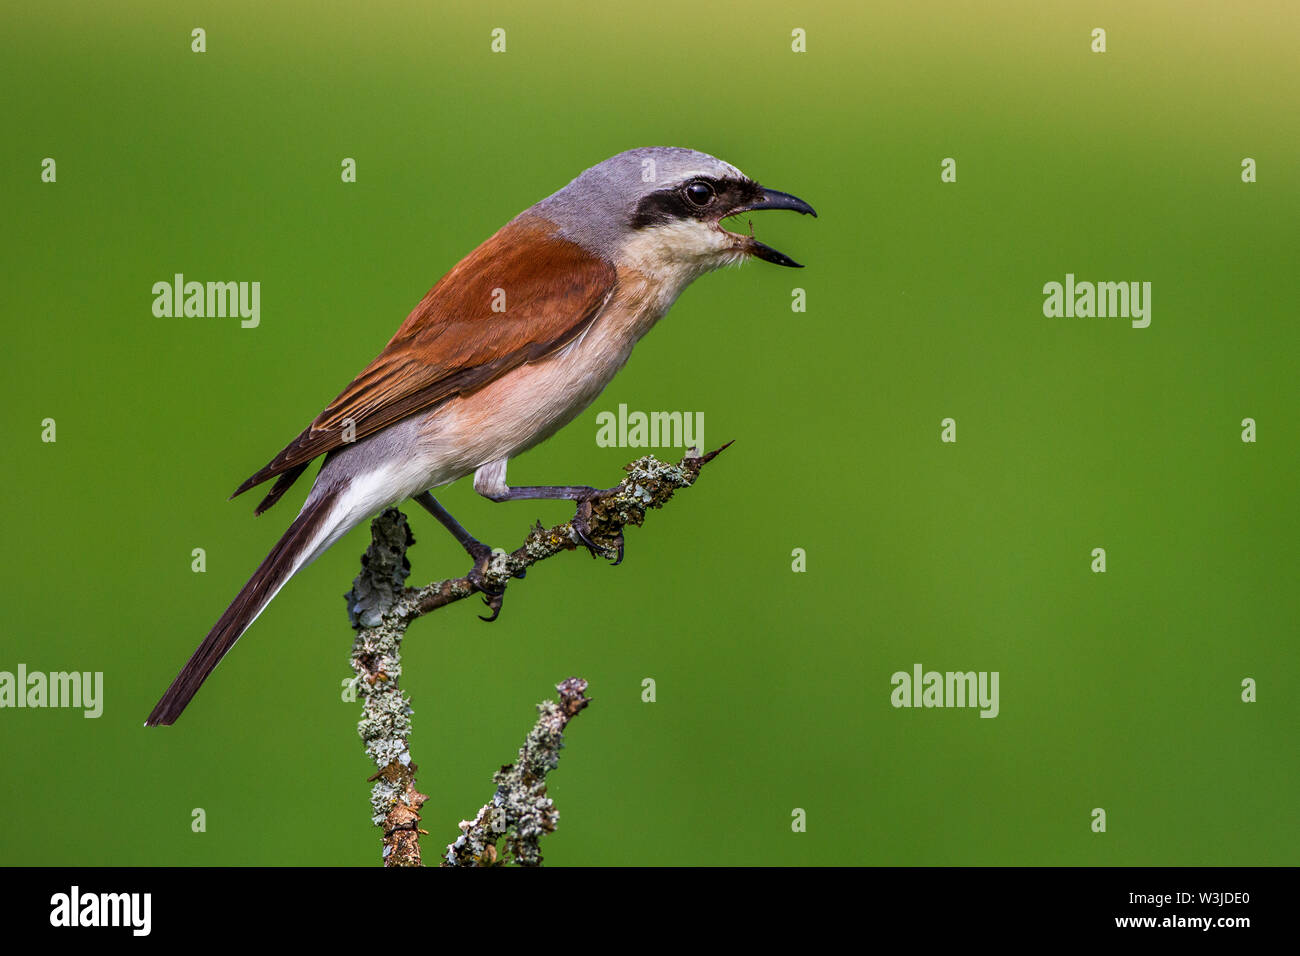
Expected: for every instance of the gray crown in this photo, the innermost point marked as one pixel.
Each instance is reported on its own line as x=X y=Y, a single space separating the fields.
x=595 y=210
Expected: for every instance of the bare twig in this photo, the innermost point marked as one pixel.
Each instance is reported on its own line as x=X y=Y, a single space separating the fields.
x=381 y=608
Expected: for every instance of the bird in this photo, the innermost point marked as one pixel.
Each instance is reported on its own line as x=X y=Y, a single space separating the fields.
x=509 y=346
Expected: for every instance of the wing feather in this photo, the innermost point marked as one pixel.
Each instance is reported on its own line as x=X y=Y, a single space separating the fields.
x=458 y=339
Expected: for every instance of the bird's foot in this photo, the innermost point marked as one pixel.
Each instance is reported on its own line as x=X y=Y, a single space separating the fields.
x=582 y=527
x=493 y=594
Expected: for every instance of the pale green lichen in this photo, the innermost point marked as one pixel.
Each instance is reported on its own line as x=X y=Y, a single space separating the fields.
x=520 y=813
x=380 y=607
x=373 y=601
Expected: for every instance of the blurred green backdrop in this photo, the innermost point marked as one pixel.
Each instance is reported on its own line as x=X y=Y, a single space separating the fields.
x=1118 y=690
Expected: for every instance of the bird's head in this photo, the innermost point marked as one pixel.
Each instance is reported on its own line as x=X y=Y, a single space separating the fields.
x=660 y=209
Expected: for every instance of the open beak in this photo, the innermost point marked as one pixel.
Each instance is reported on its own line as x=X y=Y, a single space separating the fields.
x=771 y=199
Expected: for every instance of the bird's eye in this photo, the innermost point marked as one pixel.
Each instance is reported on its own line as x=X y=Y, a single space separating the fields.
x=699 y=193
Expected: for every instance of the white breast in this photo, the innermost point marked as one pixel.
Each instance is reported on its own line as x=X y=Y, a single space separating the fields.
x=531 y=403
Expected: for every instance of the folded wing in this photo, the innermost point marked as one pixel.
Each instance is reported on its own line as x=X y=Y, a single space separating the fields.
x=519 y=296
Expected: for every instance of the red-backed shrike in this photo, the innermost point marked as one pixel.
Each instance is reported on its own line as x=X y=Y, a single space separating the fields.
x=465 y=386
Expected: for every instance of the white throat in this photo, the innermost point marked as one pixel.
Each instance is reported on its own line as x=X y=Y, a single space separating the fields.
x=678 y=253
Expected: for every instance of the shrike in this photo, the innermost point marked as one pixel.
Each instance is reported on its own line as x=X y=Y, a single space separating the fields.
x=510 y=345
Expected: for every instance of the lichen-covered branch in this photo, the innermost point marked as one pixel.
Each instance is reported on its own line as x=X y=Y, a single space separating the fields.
x=381 y=608
x=649 y=484
x=386 y=713
x=520 y=811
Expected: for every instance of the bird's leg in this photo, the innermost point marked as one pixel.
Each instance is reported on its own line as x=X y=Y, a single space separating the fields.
x=584 y=495
x=480 y=553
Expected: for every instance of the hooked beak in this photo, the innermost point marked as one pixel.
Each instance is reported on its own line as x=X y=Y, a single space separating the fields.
x=771 y=199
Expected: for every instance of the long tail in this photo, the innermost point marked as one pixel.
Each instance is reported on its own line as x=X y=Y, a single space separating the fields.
x=313 y=529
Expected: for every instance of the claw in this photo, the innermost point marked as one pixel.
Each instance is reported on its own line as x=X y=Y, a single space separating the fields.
x=582 y=527
x=493 y=596
x=494 y=602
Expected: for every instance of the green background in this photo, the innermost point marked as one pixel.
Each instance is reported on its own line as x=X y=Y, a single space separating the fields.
x=1118 y=690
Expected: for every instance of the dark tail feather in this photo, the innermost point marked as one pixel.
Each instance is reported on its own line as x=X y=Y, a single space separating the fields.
x=278 y=466
x=282 y=484
x=278 y=567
